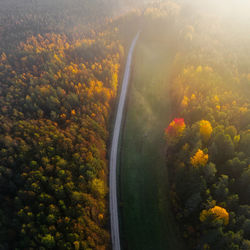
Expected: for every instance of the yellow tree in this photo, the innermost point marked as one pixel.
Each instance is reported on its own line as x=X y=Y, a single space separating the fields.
x=184 y=102
x=205 y=130
x=199 y=159
x=218 y=212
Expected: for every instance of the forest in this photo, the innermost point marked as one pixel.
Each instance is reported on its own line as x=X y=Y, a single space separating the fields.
x=208 y=139
x=61 y=69
x=58 y=76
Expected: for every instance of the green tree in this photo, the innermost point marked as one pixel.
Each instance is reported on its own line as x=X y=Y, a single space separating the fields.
x=48 y=241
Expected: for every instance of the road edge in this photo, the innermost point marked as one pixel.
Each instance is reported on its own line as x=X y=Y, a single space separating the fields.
x=113 y=206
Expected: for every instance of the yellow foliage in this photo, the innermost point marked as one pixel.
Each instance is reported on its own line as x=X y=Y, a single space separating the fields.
x=57 y=58
x=208 y=69
x=100 y=216
x=193 y=97
x=73 y=112
x=184 y=102
x=77 y=245
x=114 y=80
x=203 y=215
x=221 y=213
x=63 y=116
x=28 y=98
x=199 y=159
x=199 y=69
x=243 y=109
x=236 y=138
x=67 y=219
x=216 y=99
x=98 y=187
x=218 y=212
x=205 y=130
x=38 y=50
x=217 y=107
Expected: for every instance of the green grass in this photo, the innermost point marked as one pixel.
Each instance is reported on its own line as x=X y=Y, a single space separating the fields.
x=146 y=219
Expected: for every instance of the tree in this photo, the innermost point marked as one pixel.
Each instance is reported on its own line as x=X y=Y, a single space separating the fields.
x=209 y=172
x=48 y=241
x=205 y=130
x=175 y=128
x=246 y=228
x=222 y=148
x=220 y=188
x=199 y=159
x=244 y=185
x=217 y=213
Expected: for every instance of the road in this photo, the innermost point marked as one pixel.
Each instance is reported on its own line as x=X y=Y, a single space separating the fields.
x=113 y=208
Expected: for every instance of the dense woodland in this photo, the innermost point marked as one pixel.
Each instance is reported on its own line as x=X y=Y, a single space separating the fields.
x=58 y=76
x=59 y=69
x=208 y=140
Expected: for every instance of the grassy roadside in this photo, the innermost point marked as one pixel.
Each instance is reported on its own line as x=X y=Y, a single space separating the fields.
x=146 y=220
x=114 y=105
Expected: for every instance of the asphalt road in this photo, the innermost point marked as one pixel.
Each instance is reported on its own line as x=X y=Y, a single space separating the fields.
x=113 y=208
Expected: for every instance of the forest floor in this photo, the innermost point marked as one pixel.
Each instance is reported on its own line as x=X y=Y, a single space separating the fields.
x=145 y=216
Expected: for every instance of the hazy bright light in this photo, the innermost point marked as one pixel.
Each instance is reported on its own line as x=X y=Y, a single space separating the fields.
x=230 y=8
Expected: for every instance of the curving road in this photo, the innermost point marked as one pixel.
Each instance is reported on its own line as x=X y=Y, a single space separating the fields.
x=113 y=208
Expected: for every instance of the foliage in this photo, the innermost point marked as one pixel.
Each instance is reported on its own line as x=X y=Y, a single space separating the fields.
x=175 y=128
x=199 y=159
x=208 y=165
x=56 y=96
x=218 y=212
x=205 y=130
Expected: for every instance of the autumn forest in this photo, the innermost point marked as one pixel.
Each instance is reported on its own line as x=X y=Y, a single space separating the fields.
x=183 y=162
